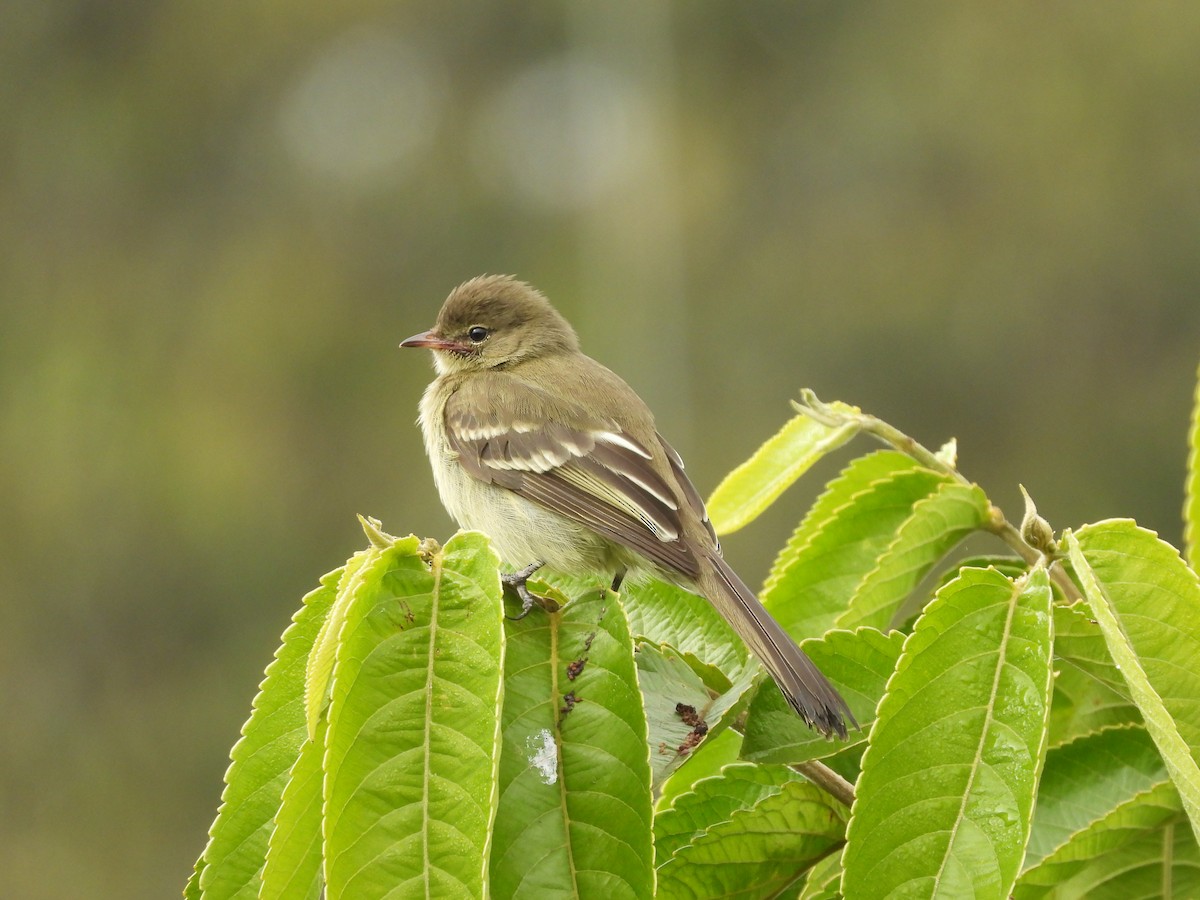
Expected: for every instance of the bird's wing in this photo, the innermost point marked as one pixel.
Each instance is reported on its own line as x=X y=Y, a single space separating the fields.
x=576 y=463
x=691 y=496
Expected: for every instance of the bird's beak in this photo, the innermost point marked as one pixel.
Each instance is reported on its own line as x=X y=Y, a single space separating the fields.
x=431 y=341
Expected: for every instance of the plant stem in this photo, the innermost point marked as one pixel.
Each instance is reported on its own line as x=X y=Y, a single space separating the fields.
x=827 y=780
x=997 y=524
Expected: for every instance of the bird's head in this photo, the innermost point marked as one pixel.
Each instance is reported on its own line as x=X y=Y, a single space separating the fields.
x=493 y=321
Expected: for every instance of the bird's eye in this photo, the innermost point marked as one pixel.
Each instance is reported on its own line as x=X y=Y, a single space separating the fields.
x=478 y=334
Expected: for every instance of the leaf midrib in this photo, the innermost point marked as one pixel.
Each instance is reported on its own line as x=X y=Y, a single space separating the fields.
x=976 y=764
x=435 y=601
x=555 y=700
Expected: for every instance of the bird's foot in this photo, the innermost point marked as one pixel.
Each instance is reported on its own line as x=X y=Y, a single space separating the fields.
x=516 y=581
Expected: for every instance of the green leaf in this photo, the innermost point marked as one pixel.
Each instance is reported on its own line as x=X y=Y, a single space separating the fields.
x=1079 y=643
x=574 y=782
x=1089 y=692
x=824 y=879
x=757 y=852
x=774 y=467
x=1012 y=567
x=680 y=709
x=672 y=692
x=319 y=668
x=859 y=663
x=714 y=753
x=1082 y=705
x=1161 y=862
x=1147 y=603
x=853 y=480
x=1191 y=503
x=1008 y=566
x=412 y=743
x=1087 y=779
x=712 y=800
x=948 y=781
x=835 y=548
x=662 y=613
x=937 y=524
x=714 y=679
x=1071 y=870
x=294 y=856
x=191 y=890
x=270 y=742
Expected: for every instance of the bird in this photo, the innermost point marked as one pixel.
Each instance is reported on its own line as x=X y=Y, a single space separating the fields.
x=559 y=461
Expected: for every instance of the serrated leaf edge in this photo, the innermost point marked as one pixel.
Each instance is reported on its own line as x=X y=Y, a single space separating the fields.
x=235 y=753
x=1191 y=503
x=318 y=673
x=712 y=834
x=747 y=511
x=1016 y=589
x=1185 y=774
x=797 y=544
x=721 y=774
x=1117 y=810
x=919 y=510
x=1124 y=726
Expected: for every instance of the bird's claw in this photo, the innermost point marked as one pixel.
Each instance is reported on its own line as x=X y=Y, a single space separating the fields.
x=517 y=582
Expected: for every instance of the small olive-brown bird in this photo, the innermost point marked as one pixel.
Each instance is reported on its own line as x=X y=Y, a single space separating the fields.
x=559 y=462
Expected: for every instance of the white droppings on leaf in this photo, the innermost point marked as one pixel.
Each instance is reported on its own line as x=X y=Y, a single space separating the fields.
x=543 y=755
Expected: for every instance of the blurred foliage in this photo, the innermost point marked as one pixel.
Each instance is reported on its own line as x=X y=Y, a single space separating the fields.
x=217 y=221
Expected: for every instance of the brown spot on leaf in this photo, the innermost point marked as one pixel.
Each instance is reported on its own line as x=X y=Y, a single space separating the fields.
x=401 y=616
x=699 y=727
x=569 y=701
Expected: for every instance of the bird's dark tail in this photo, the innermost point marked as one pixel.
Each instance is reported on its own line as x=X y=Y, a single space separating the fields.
x=806 y=689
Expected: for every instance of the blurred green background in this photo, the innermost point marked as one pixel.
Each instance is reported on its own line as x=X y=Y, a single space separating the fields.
x=219 y=219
